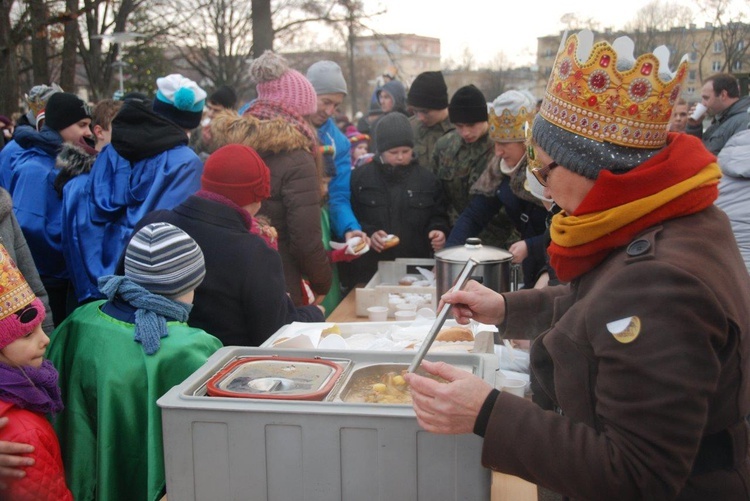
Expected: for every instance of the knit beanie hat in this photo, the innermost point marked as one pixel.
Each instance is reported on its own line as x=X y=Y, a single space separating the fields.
x=224 y=96
x=164 y=260
x=180 y=100
x=355 y=136
x=468 y=106
x=20 y=310
x=237 y=172
x=392 y=131
x=37 y=99
x=277 y=82
x=429 y=91
x=64 y=109
x=583 y=155
x=326 y=78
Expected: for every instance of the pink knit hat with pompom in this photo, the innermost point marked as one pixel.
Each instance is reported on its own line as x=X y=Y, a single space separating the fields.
x=277 y=82
x=20 y=310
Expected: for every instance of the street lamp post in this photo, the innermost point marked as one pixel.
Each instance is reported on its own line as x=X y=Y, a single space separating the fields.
x=119 y=38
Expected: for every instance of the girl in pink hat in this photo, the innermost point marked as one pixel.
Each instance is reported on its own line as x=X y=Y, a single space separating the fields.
x=28 y=389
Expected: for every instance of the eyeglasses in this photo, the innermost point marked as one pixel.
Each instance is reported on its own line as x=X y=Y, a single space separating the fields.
x=541 y=173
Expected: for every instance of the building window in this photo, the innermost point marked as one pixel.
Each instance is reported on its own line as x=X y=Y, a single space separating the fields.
x=716 y=66
x=737 y=65
x=740 y=45
x=693 y=57
x=690 y=90
x=718 y=46
x=692 y=74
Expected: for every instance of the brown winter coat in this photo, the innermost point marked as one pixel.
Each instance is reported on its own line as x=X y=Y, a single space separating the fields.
x=294 y=205
x=634 y=414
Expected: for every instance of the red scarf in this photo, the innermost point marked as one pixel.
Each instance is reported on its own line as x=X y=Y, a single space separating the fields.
x=682 y=158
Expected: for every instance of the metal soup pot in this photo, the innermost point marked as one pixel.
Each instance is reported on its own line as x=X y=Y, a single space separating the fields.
x=493 y=271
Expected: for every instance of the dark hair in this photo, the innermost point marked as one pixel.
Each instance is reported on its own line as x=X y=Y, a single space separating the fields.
x=103 y=113
x=724 y=81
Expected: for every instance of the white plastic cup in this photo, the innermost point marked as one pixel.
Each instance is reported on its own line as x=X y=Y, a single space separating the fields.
x=377 y=313
x=392 y=303
x=405 y=315
x=514 y=387
x=700 y=110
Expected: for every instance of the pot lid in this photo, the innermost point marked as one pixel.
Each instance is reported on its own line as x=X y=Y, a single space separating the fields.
x=483 y=254
x=280 y=378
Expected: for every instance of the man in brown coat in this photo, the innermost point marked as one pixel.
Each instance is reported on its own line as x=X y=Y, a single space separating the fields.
x=645 y=351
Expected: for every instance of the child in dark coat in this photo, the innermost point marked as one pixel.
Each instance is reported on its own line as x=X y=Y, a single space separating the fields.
x=393 y=195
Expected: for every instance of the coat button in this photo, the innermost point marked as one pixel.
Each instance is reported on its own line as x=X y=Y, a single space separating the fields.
x=638 y=247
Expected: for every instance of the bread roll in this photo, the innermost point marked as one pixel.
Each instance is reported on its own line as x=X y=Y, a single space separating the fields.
x=407 y=280
x=452 y=334
x=358 y=247
x=390 y=241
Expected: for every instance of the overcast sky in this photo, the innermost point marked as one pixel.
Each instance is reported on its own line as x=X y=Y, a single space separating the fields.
x=488 y=27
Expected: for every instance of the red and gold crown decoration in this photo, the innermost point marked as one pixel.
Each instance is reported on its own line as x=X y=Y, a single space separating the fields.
x=510 y=127
x=15 y=292
x=588 y=95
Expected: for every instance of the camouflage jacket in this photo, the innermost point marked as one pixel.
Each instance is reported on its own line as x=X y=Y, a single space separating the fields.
x=425 y=139
x=459 y=165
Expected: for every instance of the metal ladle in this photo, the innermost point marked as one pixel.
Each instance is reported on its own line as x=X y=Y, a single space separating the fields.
x=463 y=277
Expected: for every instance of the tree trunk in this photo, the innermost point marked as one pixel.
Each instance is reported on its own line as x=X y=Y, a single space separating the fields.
x=8 y=63
x=352 y=73
x=39 y=43
x=70 y=45
x=262 y=27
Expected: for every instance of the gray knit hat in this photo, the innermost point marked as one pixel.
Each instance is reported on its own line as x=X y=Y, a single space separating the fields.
x=164 y=260
x=585 y=156
x=326 y=78
x=391 y=131
x=37 y=100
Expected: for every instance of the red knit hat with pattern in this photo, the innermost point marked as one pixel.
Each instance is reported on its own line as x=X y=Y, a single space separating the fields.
x=277 y=82
x=237 y=172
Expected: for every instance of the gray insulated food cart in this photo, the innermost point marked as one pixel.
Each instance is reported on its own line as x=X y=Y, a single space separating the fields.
x=296 y=428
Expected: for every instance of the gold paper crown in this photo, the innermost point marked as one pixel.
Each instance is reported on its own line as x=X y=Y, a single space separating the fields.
x=509 y=127
x=15 y=292
x=589 y=96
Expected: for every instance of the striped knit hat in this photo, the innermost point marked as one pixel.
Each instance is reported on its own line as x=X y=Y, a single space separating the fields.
x=164 y=260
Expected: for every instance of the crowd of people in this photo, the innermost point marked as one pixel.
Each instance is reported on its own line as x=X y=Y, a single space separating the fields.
x=139 y=236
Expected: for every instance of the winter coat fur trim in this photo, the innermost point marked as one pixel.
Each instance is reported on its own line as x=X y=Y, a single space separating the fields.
x=265 y=136
x=72 y=161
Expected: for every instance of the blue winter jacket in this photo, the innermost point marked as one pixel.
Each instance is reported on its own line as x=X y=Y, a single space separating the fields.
x=339 y=189
x=101 y=208
x=8 y=157
x=35 y=202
